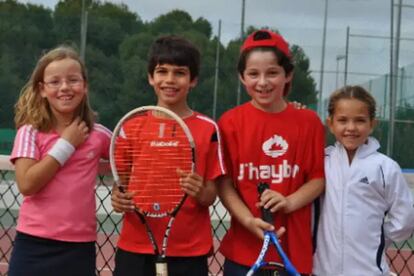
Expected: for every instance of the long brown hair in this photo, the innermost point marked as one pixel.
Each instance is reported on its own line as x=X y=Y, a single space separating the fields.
x=32 y=109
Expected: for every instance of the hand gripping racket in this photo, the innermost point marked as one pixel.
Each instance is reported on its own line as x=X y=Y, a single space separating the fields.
x=271 y=237
x=148 y=146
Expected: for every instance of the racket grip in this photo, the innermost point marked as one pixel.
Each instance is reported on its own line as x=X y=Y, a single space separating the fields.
x=121 y=189
x=161 y=268
x=266 y=214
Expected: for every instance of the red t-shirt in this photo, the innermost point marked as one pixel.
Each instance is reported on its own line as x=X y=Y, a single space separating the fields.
x=285 y=150
x=191 y=231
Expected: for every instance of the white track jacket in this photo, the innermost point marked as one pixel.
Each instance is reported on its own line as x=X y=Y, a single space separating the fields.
x=366 y=205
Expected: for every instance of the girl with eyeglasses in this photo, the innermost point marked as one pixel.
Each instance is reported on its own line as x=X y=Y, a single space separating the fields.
x=56 y=154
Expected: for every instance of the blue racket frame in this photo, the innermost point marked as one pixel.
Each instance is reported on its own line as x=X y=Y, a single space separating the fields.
x=271 y=237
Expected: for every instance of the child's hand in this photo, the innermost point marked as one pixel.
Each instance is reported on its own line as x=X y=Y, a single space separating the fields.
x=191 y=183
x=258 y=226
x=121 y=202
x=76 y=133
x=272 y=200
x=298 y=105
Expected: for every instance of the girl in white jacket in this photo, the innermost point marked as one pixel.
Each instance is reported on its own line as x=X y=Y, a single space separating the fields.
x=367 y=203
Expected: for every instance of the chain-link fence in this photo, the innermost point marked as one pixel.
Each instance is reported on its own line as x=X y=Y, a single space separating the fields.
x=401 y=256
x=403 y=120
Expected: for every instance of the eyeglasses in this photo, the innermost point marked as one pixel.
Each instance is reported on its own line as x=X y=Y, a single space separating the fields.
x=72 y=82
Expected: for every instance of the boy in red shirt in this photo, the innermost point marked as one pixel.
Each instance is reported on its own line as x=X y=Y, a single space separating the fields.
x=267 y=139
x=173 y=69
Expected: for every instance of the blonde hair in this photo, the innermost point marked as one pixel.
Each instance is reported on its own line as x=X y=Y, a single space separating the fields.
x=33 y=109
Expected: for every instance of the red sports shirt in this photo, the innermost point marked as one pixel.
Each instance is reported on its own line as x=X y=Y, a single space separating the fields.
x=285 y=150
x=191 y=231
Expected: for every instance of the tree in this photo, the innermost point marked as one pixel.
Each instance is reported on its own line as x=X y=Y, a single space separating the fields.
x=176 y=21
x=135 y=90
x=104 y=84
x=9 y=83
x=109 y=24
x=403 y=136
x=23 y=38
x=116 y=55
x=303 y=85
x=67 y=18
x=203 y=26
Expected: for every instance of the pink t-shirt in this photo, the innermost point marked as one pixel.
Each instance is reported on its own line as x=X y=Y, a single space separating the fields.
x=64 y=209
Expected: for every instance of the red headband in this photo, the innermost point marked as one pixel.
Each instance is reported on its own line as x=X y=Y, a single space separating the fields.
x=275 y=41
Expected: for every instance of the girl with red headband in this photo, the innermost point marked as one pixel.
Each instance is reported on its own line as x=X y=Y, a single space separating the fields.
x=269 y=140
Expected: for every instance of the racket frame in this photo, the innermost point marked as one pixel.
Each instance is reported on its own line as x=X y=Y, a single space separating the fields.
x=270 y=237
x=139 y=110
x=160 y=263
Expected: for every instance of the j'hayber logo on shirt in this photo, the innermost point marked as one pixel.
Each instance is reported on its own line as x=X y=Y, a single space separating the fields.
x=274 y=147
x=164 y=143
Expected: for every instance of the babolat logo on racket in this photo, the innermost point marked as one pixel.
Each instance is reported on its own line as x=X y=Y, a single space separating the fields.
x=164 y=143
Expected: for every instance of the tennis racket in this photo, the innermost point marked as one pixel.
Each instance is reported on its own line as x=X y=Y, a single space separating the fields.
x=270 y=237
x=148 y=146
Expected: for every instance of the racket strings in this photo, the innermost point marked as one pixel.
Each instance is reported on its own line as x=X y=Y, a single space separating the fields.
x=151 y=151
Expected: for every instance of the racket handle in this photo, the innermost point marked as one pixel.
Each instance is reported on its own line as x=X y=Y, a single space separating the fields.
x=266 y=214
x=161 y=268
x=121 y=189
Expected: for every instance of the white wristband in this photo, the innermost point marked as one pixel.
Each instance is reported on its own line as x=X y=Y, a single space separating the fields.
x=61 y=151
